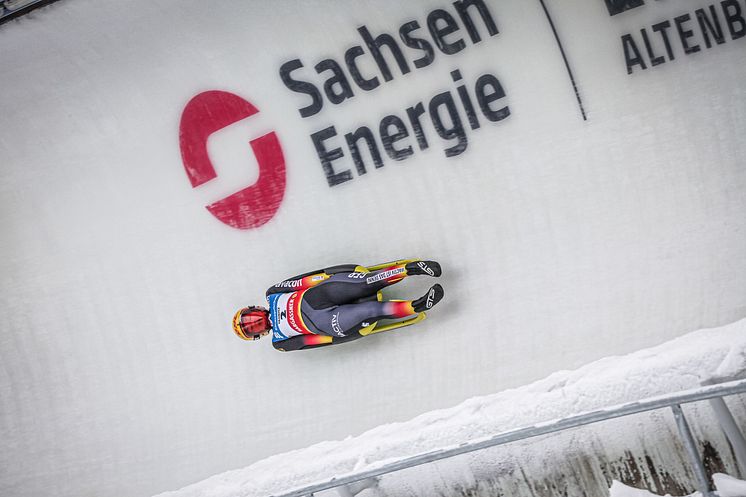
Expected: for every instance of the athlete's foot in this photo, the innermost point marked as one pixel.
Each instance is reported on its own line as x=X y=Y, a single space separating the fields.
x=427 y=301
x=429 y=268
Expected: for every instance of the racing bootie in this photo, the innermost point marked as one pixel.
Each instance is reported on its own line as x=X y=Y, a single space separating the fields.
x=429 y=268
x=427 y=301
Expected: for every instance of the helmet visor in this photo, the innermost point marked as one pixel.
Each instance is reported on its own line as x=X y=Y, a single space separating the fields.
x=254 y=323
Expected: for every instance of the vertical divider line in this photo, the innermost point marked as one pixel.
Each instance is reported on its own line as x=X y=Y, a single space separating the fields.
x=564 y=57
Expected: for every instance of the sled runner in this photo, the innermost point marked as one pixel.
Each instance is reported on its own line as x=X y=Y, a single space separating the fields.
x=381 y=327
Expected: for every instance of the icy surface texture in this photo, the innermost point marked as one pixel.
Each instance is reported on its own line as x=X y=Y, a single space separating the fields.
x=562 y=240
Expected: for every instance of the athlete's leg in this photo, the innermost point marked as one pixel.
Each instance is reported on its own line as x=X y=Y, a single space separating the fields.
x=348 y=319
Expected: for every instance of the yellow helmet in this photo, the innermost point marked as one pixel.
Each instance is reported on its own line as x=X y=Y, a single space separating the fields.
x=251 y=323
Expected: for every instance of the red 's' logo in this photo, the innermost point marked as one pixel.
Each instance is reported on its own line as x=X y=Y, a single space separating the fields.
x=253 y=205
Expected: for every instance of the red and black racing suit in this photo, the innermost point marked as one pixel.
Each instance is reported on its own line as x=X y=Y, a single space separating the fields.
x=331 y=306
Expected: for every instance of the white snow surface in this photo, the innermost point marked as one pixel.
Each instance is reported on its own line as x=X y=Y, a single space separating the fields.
x=676 y=365
x=619 y=489
x=725 y=485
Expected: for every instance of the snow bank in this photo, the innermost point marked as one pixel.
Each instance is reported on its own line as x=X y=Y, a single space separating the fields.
x=619 y=489
x=727 y=486
x=679 y=364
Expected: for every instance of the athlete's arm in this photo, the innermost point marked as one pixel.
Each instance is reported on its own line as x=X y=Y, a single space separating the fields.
x=302 y=342
x=296 y=283
x=307 y=280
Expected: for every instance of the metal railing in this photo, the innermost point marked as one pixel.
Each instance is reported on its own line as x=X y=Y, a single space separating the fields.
x=10 y=9
x=350 y=484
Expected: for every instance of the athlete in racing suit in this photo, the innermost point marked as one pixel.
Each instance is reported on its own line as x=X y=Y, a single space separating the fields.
x=343 y=303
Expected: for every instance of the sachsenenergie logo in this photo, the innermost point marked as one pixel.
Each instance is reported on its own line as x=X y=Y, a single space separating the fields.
x=253 y=205
x=462 y=105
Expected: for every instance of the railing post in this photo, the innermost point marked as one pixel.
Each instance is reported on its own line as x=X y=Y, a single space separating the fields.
x=691 y=448
x=730 y=428
x=732 y=432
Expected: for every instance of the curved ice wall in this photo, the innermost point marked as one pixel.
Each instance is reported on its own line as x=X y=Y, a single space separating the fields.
x=581 y=206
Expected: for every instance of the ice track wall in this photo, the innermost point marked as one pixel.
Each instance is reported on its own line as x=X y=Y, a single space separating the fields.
x=574 y=221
